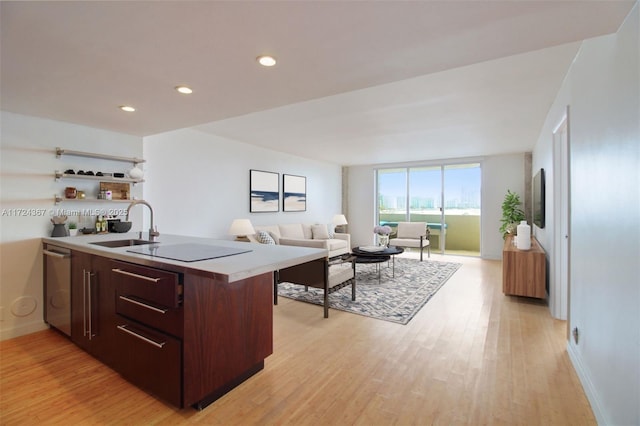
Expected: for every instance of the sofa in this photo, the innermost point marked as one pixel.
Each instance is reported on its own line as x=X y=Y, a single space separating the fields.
x=304 y=235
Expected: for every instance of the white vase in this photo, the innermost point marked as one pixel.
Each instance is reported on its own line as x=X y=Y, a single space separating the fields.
x=523 y=237
x=383 y=240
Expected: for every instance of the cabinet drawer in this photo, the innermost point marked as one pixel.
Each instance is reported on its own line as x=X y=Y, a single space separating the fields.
x=150 y=360
x=169 y=320
x=151 y=284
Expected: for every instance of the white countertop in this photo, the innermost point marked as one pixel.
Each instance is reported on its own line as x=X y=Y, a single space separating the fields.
x=262 y=257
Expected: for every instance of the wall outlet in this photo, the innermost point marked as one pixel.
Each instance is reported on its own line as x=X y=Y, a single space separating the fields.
x=576 y=334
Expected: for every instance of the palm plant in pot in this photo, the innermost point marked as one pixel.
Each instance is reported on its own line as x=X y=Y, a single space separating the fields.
x=512 y=214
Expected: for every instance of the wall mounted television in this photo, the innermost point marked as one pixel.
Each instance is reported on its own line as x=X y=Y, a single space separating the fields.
x=538 y=199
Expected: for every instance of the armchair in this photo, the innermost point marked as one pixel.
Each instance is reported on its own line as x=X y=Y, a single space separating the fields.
x=413 y=235
x=323 y=274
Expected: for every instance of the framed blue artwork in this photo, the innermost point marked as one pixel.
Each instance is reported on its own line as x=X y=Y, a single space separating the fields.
x=264 y=191
x=294 y=190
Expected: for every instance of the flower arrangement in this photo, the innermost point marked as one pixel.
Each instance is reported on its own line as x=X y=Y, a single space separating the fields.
x=383 y=234
x=382 y=230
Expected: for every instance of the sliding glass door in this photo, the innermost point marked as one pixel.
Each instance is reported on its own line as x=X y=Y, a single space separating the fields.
x=461 y=213
x=392 y=195
x=425 y=194
x=447 y=197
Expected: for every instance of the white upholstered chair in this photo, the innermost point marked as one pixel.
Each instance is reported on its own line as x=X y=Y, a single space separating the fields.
x=413 y=235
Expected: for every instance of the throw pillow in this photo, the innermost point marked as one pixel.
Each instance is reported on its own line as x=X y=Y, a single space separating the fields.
x=320 y=232
x=264 y=238
x=291 y=231
x=331 y=230
x=275 y=237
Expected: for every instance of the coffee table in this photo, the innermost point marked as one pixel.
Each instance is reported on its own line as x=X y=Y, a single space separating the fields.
x=364 y=256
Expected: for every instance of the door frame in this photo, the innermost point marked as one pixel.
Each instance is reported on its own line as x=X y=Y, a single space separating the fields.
x=441 y=167
x=561 y=289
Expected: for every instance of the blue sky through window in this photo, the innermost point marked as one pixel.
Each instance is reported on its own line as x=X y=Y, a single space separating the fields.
x=462 y=187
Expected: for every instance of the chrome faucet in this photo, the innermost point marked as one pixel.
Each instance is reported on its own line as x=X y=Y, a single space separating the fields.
x=152 y=232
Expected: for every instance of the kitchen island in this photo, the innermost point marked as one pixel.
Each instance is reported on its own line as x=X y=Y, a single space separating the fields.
x=185 y=331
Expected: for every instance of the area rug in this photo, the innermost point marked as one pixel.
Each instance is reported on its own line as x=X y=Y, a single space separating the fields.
x=396 y=299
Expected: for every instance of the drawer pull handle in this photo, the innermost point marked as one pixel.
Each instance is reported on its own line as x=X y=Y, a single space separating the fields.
x=126 y=330
x=56 y=254
x=131 y=274
x=144 y=305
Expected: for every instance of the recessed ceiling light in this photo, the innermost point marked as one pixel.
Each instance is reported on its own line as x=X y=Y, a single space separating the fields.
x=127 y=108
x=184 y=90
x=266 y=60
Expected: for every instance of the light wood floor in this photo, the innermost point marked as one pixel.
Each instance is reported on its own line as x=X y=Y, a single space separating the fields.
x=471 y=356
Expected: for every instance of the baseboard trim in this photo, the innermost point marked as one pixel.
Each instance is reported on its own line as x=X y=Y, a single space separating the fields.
x=587 y=384
x=23 y=330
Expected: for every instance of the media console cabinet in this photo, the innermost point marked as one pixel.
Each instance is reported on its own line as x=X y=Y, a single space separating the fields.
x=524 y=271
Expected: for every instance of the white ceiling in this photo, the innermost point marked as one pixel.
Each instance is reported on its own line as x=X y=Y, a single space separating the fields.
x=357 y=82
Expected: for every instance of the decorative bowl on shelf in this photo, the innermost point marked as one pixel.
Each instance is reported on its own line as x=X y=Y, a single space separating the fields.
x=136 y=173
x=70 y=192
x=121 y=226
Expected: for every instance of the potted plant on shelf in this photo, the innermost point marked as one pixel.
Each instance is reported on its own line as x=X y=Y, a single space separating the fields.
x=73 y=229
x=512 y=214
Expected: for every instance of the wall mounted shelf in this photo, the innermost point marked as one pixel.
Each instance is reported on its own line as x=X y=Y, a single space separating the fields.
x=60 y=152
x=60 y=175
x=58 y=199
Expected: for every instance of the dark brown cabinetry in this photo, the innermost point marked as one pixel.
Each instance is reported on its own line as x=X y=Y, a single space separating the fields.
x=228 y=332
x=185 y=337
x=149 y=329
x=92 y=306
x=150 y=359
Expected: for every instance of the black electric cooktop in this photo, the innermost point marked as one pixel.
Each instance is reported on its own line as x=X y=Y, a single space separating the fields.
x=187 y=252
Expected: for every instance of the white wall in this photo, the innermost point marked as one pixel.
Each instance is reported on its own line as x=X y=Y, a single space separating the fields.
x=499 y=173
x=543 y=158
x=198 y=183
x=603 y=90
x=28 y=163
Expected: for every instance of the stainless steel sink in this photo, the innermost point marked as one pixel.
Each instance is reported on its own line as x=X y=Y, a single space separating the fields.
x=123 y=243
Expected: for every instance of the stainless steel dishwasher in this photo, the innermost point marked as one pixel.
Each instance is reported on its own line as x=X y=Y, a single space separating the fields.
x=57 y=287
